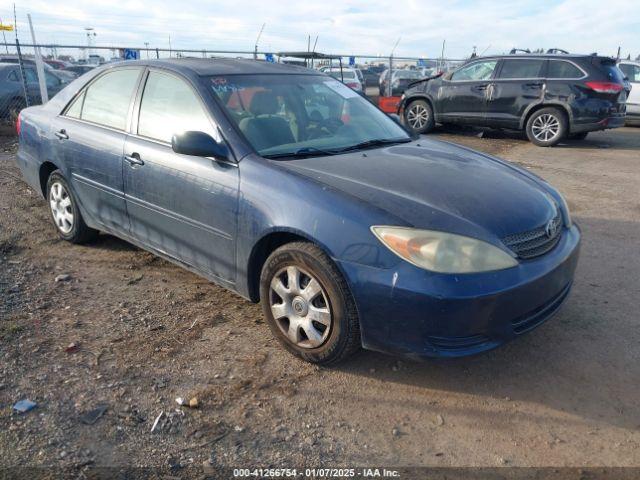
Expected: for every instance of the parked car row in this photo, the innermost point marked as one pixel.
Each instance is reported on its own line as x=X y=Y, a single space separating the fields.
x=548 y=96
x=12 y=91
x=58 y=73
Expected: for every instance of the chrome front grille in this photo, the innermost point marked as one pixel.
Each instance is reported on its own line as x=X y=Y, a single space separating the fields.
x=536 y=242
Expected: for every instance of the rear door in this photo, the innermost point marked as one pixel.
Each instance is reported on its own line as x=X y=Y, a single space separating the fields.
x=89 y=140
x=184 y=206
x=463 y=96
x=518 y=83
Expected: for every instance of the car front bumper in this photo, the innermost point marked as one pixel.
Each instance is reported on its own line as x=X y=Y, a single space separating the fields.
x=412 y=312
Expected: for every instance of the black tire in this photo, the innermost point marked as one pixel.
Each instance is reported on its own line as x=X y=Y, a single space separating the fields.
x=343 y=332
x=75 y=230
x=418 y=116
x=551 y=116
x=578 y=136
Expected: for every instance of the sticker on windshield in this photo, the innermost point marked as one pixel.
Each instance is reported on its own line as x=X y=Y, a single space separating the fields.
x=221 y=85
x=341 y=89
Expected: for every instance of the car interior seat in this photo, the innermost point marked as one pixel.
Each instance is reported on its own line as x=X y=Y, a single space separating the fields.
x=266 y=129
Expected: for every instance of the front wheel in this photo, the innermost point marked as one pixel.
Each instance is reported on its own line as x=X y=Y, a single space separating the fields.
x=546 y=127
x=418 y=116
x=308 y=305
x=65 y=212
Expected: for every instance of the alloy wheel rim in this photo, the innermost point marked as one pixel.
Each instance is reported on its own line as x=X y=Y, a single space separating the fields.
x=417 y=116
x=545 y=127
x=61 y=209
x=300 y=307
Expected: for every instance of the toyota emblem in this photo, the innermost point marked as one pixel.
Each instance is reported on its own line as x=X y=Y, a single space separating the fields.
x=551 y=229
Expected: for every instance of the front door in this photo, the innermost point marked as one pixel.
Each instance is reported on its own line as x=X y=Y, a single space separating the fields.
x=463 y=96
x=181 y=205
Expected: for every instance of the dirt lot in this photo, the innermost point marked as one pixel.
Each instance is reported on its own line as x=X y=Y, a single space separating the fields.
x=567 y=394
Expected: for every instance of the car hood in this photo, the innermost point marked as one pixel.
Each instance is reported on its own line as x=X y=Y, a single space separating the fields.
x=437 y=185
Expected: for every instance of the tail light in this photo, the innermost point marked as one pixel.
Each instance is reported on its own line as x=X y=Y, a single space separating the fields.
x=605 y=87
x=352 y=85
x=18 y=124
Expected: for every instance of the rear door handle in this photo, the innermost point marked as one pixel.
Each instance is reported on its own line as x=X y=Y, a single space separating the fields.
x=134 y=159
x=534 y=84
x=62 y=134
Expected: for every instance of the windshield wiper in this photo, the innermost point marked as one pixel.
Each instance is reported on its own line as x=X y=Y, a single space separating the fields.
x=301 y=153
x=376 y=142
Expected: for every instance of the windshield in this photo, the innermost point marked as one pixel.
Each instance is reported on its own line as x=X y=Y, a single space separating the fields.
x=348 y=74
x=303 y=115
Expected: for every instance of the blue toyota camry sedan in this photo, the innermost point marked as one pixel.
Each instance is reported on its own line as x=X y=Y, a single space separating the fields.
x=287 y=187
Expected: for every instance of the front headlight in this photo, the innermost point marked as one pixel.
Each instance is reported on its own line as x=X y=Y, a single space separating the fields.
x=443 y=252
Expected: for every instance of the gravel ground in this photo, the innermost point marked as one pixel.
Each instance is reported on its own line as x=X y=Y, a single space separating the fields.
x=125 y=330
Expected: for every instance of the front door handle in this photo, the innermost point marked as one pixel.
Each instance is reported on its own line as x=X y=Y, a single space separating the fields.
x=134 y=159
x=62 y=134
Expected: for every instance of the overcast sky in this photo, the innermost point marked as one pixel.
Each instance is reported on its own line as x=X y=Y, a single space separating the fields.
x=343 y=26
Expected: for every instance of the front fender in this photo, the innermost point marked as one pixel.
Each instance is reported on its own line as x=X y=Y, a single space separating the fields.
x=275 y=199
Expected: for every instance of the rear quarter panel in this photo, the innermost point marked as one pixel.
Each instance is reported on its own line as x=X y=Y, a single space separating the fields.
x=35 y=145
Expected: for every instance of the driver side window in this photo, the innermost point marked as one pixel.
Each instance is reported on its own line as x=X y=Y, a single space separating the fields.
x=170 y=106
x=475 y=71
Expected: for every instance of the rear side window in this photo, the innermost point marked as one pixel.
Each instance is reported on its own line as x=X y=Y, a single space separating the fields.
x=562 y=69
x=475 y=71
x=524 y=68
x=107 y=100
x=632 y=72
x=75 y=110
x=170 y=106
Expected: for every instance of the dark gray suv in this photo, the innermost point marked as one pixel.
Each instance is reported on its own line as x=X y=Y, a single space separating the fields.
x=549 y=96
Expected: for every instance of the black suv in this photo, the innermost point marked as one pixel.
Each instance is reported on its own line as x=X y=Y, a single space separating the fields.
x=551 y=97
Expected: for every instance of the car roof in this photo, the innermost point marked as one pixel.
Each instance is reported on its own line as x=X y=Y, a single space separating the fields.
x=555 y=56
x=224 y=66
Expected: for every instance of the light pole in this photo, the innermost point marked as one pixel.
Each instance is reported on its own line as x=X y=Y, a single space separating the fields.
x=90 y=33
x=255 y=50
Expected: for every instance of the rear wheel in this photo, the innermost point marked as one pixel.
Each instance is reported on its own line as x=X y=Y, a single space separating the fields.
x=418 y=116
x=546 y=127
x=307 y=304
x=65 y=212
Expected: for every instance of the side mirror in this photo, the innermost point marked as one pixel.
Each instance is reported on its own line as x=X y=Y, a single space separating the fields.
x=198 y=144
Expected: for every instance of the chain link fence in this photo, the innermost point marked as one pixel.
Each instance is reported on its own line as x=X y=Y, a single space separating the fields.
x=20 y=80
